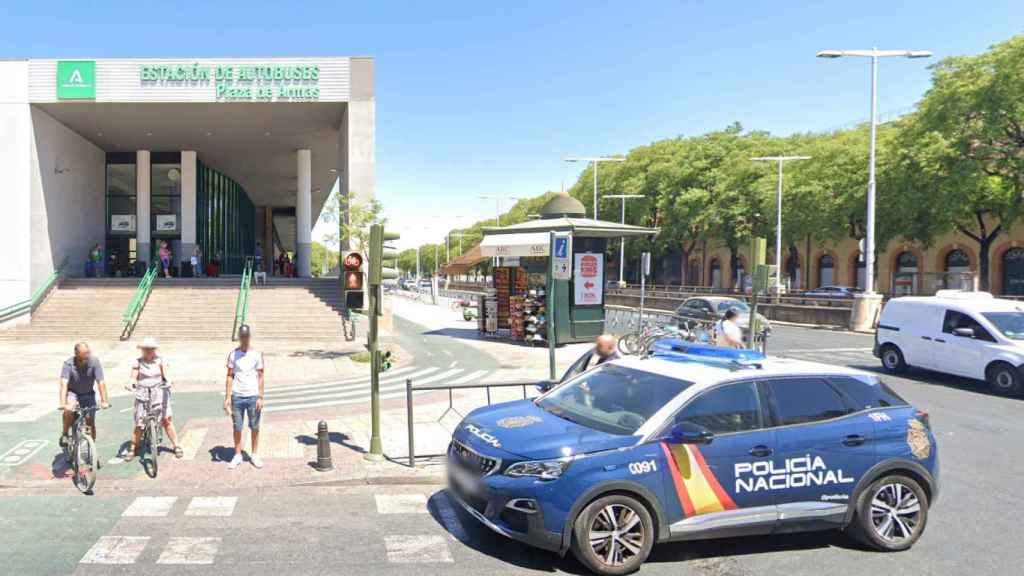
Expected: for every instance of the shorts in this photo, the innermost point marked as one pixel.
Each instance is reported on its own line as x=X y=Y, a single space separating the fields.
x=240 y=407
x=84 y=400
x=161 y=406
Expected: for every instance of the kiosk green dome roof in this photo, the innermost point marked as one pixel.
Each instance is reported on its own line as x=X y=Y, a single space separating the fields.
x=563 y=205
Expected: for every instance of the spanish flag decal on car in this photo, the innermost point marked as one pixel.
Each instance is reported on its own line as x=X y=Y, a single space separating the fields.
x=697 y=488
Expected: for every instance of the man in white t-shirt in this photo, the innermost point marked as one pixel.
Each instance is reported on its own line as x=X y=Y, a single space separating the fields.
x=727 y=332
x=243 y=395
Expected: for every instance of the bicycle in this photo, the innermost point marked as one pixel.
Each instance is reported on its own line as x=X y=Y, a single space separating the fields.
x=152 y=433
x=80 y=450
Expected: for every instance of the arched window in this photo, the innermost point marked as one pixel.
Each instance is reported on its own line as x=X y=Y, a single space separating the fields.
x=693 y=273
x=904 y=277
x=826 y=270
x=793 y=272
x=957 y=261
x=1013 y=271
x=716 y=273
x=958 y=270
x=905 y=261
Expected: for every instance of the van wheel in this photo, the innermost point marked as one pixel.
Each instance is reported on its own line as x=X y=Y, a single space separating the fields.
x=891 y=514
x=1004 y=379
x=892 y=359
x=613 y=535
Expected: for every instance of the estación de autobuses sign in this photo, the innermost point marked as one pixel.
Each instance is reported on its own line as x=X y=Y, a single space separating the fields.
x=241 y=82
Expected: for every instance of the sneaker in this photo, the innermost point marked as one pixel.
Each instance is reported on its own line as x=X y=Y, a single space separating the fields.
x=256 y=460
x=235 y=461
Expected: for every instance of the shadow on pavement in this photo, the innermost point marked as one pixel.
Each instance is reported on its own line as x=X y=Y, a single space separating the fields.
x=334 y=438
x=921 y=376
x=320 y=354
x=222 y=453
x=726 y=548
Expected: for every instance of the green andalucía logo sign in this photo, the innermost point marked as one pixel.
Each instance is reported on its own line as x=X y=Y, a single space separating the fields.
x=76 y=80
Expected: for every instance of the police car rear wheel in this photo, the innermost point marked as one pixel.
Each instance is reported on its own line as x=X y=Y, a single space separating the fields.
x=892 y=359
x=1005 y=379
x=613 y=535
x=892 y=514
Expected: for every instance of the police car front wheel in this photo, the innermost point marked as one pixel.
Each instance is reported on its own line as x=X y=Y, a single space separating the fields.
x=892 y=514
x=613 y=535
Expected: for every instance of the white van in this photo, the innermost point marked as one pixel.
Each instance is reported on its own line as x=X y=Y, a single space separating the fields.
x=968 y=334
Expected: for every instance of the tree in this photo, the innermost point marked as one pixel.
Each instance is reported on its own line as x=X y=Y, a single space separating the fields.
x=965 y=145
x=322 y=258
x=353 y=218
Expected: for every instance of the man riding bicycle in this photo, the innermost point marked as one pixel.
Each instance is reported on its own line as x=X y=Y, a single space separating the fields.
x=79 y=376
x=152 y=394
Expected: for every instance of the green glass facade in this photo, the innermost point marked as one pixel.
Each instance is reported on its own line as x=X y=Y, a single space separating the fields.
x=225 y=219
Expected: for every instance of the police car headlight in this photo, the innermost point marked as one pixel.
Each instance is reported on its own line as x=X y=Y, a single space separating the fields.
x=543 y=469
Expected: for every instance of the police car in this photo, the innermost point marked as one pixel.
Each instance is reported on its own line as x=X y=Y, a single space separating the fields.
x=696 y=442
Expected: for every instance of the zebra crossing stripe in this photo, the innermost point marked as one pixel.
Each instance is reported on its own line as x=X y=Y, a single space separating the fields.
x=191 y=441
x=353 y=396
x=150 y=506
x=115 y=550
x=479 y=374
x=417 y=549
x=341 y=402
x=349 y=380
x=211 y=506
x=299 y=390
x=401 y=503
x=184 y=550
x=364 y=388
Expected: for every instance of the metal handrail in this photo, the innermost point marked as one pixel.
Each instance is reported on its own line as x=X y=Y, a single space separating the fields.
x=33 y=301
x=131 y=314
x=242 y=301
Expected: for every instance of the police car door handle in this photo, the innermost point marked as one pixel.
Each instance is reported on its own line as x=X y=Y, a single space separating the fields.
x=854 y=440
x=760 y=451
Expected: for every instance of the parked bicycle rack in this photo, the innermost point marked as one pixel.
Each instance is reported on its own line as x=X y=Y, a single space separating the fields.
x=451 y=388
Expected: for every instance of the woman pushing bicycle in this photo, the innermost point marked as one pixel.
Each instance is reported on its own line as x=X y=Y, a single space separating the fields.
x=152 y=395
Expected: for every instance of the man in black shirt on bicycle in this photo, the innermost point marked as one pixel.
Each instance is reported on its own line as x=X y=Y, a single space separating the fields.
x=79 y=377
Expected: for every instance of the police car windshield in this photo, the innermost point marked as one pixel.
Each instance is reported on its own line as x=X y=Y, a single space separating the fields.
x=1011 y=324
x=613 y=398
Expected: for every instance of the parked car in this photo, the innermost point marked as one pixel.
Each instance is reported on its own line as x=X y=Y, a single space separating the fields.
x=697 y=442
x=709 y=309
x=832 y=292
x=970 y=334
x=424 y=285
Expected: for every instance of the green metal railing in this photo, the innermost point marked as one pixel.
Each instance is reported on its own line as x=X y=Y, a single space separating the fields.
x=29 y=306
x=242 y=302
x=131 y=314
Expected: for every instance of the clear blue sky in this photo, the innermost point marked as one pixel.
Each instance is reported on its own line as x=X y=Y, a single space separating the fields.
x=489 y=97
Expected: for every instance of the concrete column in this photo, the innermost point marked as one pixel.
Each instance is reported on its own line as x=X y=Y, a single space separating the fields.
x=303 y=213
x=188 y=205
x=142 y=189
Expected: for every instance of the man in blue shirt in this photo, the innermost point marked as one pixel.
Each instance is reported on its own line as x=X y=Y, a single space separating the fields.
x=79 y=377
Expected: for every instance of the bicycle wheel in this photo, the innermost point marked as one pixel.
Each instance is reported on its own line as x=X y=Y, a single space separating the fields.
x=85 y=464
x=152 y=450
x=628 y=344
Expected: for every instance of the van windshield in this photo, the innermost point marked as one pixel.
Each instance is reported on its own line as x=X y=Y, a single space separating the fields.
x=613 y=398
x=1011 y=324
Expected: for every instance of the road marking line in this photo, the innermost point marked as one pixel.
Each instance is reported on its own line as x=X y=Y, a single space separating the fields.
x=447 y=352
x=477 y=375
x=150 y=506
x=342 y=402
x=21 y=452
x=211 y=506
x=417 y=549
x=191 y=441
x=401 y=503
x=364 y=392
x=115 y=550
x=315 y=388
x=450 y=518
x=351 y=379
x=182 y=550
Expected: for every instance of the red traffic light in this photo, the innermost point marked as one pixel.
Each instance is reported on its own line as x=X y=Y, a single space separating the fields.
x=353 y=261
x=353 y=280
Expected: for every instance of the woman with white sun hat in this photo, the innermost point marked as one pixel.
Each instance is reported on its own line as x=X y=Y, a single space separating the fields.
x=152 y=386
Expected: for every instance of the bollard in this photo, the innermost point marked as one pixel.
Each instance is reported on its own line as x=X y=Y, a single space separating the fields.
x=323 y=448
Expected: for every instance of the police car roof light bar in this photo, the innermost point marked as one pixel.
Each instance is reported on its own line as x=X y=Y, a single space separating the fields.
x=681 y=350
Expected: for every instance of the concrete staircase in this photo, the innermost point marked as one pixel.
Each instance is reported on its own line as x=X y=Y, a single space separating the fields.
x=187 y=309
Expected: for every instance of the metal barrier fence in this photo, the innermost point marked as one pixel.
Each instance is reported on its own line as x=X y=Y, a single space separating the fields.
x=451 y=388
x=619 y=320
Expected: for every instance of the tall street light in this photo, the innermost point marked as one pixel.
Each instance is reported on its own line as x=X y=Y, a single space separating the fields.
x=622 y=240
x=595 y=160
x=497 y=216
x=778 y=211
x=869 y=237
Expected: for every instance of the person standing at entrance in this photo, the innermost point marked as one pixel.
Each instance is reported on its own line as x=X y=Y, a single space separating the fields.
x=197 y=262
x=243 y=395
x=727 y=332
x=165 y=258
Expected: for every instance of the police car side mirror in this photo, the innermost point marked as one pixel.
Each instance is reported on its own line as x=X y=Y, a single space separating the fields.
x=690 y=433
x=544 y=385
x=964 y=332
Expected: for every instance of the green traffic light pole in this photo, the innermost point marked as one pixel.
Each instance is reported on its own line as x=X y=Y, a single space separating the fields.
x=377 y=273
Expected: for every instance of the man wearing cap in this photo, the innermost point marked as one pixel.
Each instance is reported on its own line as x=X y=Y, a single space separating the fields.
x=79 y=377
x=243 y=395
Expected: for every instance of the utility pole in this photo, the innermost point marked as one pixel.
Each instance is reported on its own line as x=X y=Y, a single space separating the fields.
x=622 y=240
x=595 y=160
x=778 y=212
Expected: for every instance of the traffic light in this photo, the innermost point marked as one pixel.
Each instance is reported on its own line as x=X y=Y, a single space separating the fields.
x=385 y=361
x=353 y=278
x=383 y=259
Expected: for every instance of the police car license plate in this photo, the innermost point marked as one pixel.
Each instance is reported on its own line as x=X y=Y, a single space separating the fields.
x=464 y=480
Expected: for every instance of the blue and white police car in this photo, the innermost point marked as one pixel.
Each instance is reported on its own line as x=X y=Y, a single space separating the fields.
x=696 y=442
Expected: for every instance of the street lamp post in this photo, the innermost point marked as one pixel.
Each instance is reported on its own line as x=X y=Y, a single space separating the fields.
x=595 y=160
x=778 y=211
x=869 y=238
x=497 y=216
x=622 y=240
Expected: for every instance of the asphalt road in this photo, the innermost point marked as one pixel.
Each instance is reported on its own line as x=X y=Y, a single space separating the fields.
x=973 y=528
